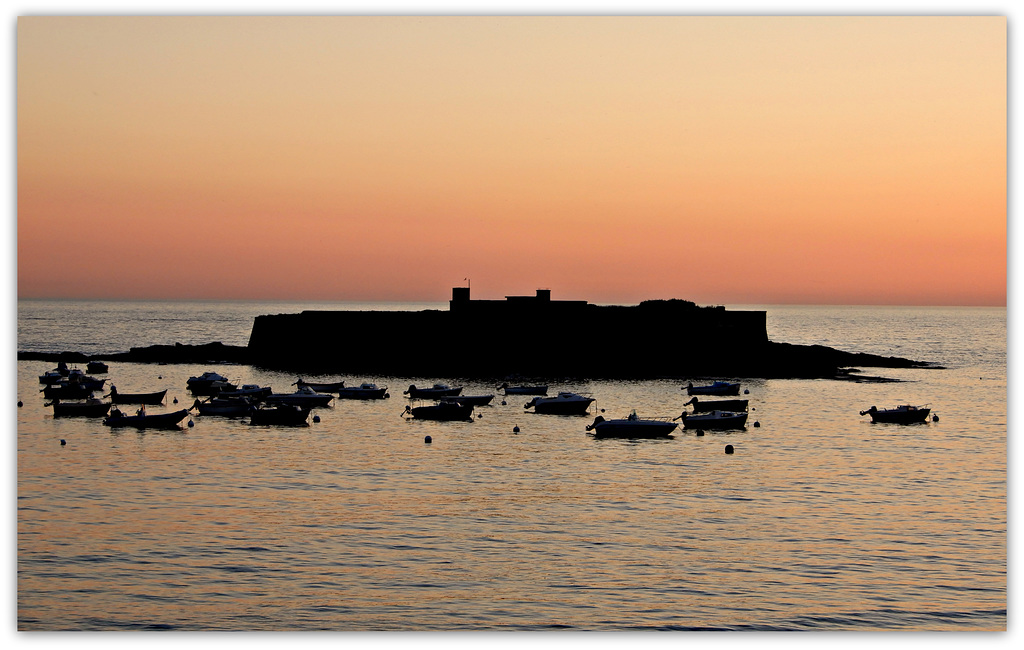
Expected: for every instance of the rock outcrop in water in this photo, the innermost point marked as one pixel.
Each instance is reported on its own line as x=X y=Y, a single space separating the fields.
x=530 y=336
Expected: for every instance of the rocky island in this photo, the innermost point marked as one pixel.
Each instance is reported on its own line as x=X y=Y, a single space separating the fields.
x=530 y=336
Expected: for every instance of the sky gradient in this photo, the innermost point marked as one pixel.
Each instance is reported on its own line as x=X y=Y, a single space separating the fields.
x=725 y=160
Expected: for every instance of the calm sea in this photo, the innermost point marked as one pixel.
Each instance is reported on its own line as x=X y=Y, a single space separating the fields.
x=820 y=520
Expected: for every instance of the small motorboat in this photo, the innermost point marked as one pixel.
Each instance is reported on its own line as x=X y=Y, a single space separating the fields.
x=208 y=383
x=717 y=388
x=631 y=427
x=905 y=414
x=524 y=390
x=717 y=405
x=90 y=408
x=67 y=390
x=136 y=398
x=443 y=410
x=252 y=392
x=96 y=367
x=142 y=420
x=234 y=407
x=565 y=403
x=716 y=420
x=305 y=397
x=331 y=387
x=282 y=414
x=365 y=390
x=472 y=400
x=435 y=392
x=51 y=377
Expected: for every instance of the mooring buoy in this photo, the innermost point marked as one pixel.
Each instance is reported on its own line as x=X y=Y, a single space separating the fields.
x=175 y=400
x=756 y=424
x=316 y=418
x=700 y=432
x=20 y=403
x=746 y=391
x=515 y=429
x=935 y=418
x=728 y=449
x=63 y=442
x=191 y=424
x=428 y=440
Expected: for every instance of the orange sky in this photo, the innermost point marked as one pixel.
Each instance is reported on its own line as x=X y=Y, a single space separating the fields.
x=838 y=160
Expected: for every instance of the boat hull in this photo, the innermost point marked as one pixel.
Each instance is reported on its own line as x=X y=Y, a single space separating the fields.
x=526 y=390
x=712 y=422
x=444 y=411
x=555 y=406
x=899 y=416
x=138 y=398
x=722 y=389
x=473 y=400
x=158 y=421
x=285 y=415
x=633 y=429
x=362 y=393
x=432 y=393
x=718 y=405
x=73 y=410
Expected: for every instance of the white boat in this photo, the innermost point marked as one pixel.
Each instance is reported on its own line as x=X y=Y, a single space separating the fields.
x=365 y=390
x=305 y=397
x=565 y=403
x=903 y=414
x=714 y=420
x=631 y=427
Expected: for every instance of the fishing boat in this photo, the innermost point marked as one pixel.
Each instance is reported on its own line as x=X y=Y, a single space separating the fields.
x=436 y=391
x=136 y=398
x=904 y=414
x=443 y=410
x=717 y=405
x=142 y=420
x=365 y=390
x=719 y=388
x=304 y=396
x=632 y=426
x=565 y=403
x=90 y=408
x=233 y=407
x=714 y=420
x=208 y=383
x=524 y=390
x=51 y=377
x=67 y=390
x=472 y=400
x=282 y=414
x=330 y=387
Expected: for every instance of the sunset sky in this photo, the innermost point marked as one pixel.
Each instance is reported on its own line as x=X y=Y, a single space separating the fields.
x=725 y=160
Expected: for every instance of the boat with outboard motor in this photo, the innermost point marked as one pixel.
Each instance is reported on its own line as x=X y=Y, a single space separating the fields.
x=565 y=403
x=208 y=383
x=320 y=387
x=524 y=390
x=365 y=390
x=472 y=400
x=904 y=414
x=232 y=407
x=280 y=414
x=156 y=397
x=90 y=408
x=446 y=409
x=305 y=396
x=632 y=426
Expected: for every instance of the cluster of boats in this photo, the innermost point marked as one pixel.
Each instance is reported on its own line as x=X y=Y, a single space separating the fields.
x=71 y=395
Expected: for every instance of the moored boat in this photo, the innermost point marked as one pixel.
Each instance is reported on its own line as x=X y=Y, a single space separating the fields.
x=253 y=392
x=233 y=407
x=565 y=403
x=281 y=414
x=97 y=367
x=904 y=414
x=435 y=392
x=324 y=387
x=443 y=410
x=90 y=408
x=365 y=390
x=715 y=388
x=67 y=390
x=142 y=420
x=472 y=400
x=631 y=427
x=156 y=397
x=717 y=405
x=524 y=390
x=208 y=383
x=714 y=420
x=305 y=397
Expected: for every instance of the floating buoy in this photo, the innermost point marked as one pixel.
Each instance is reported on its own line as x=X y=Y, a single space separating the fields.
x=160 y=377
x=20 y=403
x=428 y=440
x=746 y=391
x=602 y=410
x=387 y=395
x=756 y=424
x=316 y=418
x=504 y=403
x=191 y=424
x=935 y=418
x=515 y=429
x=728 y=449
x=700 y=432
x=479 y=415
x=175 y=400
x=63 y=442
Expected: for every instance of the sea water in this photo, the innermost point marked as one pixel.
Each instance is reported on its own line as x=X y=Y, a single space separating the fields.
x=819 y=520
